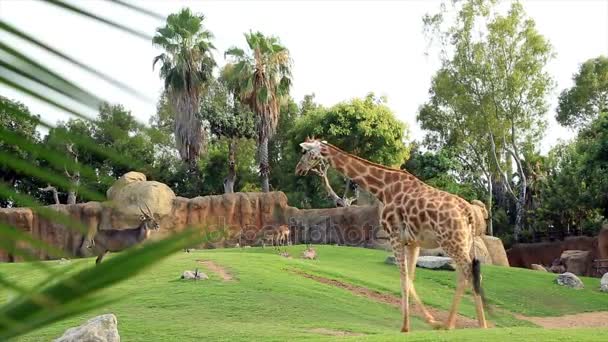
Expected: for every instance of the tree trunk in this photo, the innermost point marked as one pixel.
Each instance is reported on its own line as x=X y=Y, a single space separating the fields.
x=489 y=207
x=264 y=167
x=75 y=183
x=54 y=192
x=520 y=207
x=231 y=178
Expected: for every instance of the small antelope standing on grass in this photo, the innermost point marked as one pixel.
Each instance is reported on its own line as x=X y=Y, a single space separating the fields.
x=116 y=240
x=281 y=235
x=276 y=236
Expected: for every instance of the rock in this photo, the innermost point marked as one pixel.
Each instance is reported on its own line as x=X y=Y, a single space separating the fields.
x=196 y=275
x=124 y=180
x=285 y=255
x=237 y=213
x=496 y=250
x=577 y=262
x=480 y=215
x=434 y=262
x=64 y=261
x=558 y=269
x=133 y=190
x=538 y=267
x=481 y=251
x=309 y=253
x=390 y=260
x=604 y=283
x=102 y=328
x=570 y=280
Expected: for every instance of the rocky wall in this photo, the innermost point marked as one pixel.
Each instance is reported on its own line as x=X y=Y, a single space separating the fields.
x=238 y=217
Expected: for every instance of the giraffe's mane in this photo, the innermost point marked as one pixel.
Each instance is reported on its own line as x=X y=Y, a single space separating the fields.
x=380 y=166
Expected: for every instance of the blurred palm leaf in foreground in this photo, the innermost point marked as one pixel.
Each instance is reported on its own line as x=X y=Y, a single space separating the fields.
x=65 y=292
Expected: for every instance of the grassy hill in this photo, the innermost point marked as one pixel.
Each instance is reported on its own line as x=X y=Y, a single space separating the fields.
x=270 y=298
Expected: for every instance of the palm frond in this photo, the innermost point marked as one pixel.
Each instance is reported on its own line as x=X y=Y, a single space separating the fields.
x=69 y=297
x=20 y=34
x=84 y=13
x=62 y=295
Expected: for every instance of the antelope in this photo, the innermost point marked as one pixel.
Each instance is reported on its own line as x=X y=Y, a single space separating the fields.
x=275 y=235
x=116 y=240
x=281 y=235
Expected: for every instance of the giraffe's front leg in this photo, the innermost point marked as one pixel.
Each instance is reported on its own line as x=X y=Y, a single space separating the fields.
x=412 y=256
x=399 y=252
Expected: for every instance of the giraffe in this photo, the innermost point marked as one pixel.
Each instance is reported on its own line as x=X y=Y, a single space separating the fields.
x=415 y=215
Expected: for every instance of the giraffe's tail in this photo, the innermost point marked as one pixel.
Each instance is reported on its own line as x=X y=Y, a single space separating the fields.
x=476 y=270
x=477 y=277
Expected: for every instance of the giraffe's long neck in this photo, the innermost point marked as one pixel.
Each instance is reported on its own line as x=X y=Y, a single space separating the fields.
x=374 y=178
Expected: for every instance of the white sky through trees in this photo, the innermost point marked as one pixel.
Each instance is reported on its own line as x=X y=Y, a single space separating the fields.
x=341 y=49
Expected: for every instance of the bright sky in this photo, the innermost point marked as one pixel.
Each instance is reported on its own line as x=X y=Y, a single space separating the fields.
x=340 y=49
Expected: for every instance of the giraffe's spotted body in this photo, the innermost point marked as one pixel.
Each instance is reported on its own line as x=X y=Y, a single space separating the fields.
x=414 y=215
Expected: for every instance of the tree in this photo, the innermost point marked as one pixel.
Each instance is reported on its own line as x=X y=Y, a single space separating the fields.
x=441 y=170
x=490 y=94
x=115 y=130
x=588 y=97
x=366 y=127
x=17 y=124
x=262 y=77
x=186 y=66
x=228 y=118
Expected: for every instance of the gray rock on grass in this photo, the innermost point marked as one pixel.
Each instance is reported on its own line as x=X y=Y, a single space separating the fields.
x=102 y=328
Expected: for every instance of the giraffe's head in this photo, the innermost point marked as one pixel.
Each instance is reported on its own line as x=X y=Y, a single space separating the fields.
x=311 y=156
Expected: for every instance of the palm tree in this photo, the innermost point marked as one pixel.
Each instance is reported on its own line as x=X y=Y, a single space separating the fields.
x=263 y=75
x=187 y=67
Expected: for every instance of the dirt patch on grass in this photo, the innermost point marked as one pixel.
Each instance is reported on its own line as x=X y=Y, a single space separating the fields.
x=438 y=314
x=583 y=320
x=332 y=332
x=217 y=269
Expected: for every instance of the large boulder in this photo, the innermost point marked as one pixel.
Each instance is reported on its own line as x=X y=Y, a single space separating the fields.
x=604 y=283
x=577 y=262
x=124 y=180
x=102 y=328
x=570 y=280
x=435 y=262
x=480 y=216
x=496 y=250
x=132 y=192
x=481 y=251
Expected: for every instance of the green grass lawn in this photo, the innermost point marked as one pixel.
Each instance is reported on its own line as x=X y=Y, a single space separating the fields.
x=266 y=301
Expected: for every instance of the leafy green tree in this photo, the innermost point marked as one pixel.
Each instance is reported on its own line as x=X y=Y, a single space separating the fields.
x=186 y=66
x=588 y=97
x=16 y=123
x=366 y=127
x=441 y=170
x=489 y=98
x=114 y=130
x=227 y=118
x=262 y=76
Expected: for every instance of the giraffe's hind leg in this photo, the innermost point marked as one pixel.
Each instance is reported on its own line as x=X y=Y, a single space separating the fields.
x=462 y=283
x=465 y=278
